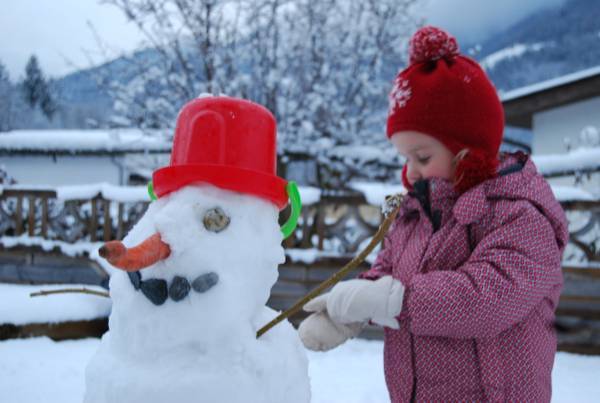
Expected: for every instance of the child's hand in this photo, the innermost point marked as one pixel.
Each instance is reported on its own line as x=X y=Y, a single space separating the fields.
x=379 y=301
x=319 y=332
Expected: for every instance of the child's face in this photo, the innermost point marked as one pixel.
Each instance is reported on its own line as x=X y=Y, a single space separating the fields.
x=426 y=156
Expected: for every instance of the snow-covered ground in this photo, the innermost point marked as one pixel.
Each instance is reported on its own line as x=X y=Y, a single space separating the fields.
x=40 y=370
x=18 y=308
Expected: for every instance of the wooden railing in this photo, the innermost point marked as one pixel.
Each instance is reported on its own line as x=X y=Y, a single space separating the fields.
x=336 y=225
x=38 y=213
x=330 y=232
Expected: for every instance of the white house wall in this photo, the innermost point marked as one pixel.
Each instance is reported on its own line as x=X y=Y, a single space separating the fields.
x=62 y=170
x=550 y=127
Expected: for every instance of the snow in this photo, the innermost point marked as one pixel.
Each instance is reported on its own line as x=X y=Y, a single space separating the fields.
x=40 y=370
x=511 y=52
x=355 y=152
x=70 y=249
x=309 y=255
x=105 y=190
x=569 y=193
x=18 y=308
x=579 y=158
x=545 y=85
x=207 y=341
x=375 y=193
x=351 y=373
x=309 y=195
x=73 y=141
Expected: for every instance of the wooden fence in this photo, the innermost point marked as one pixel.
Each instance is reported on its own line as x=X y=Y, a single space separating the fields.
x=34 y=224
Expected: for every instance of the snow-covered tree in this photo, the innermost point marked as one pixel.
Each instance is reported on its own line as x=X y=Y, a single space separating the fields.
x=322 y=67
x=188 y=51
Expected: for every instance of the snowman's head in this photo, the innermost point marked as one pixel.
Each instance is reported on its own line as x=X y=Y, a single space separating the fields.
x=228 y=240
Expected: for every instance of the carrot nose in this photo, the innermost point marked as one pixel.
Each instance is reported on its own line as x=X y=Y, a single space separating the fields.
x=143 y=255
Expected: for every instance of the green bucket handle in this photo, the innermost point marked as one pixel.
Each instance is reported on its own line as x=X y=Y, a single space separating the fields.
x=292 y=222
x=151 y=192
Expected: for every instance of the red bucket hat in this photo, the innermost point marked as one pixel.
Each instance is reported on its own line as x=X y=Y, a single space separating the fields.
x=227 y=142
x=448 y=96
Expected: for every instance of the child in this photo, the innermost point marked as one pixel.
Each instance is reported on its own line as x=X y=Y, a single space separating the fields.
x=469 y=274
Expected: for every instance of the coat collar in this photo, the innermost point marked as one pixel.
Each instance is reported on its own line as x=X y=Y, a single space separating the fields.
x=438 y=194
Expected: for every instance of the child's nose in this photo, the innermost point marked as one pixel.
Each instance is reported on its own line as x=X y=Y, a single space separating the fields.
x=413 y=174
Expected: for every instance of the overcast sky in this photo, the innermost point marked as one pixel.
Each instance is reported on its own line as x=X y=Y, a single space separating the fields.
x=57 y=31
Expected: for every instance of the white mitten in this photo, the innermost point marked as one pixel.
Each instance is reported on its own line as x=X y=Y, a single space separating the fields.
x=359 y=300
x=319 y=333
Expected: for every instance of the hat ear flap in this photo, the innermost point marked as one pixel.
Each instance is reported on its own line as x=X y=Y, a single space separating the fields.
x=405 y=182
x=472 y=169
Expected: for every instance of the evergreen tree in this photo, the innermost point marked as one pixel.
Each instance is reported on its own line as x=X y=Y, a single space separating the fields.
x=34 y=83
x=47 y=103
x=5 y=99
x=36 y=89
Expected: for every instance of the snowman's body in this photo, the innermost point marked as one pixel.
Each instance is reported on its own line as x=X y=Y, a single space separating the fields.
x=202 y=348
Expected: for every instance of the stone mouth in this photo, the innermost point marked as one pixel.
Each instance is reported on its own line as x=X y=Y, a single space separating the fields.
x=158 y=290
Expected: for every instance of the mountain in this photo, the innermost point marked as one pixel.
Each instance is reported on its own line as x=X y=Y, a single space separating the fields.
x=85 y=103
x=550 y=43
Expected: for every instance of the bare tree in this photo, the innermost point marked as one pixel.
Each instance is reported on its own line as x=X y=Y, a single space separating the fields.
x=188 y=52
x=323 y=67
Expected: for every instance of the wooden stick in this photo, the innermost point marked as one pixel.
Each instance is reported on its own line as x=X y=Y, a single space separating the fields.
x=70 y=290
x=394 y=202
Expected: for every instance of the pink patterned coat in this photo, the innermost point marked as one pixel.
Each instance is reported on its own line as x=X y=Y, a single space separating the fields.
x=483 y=278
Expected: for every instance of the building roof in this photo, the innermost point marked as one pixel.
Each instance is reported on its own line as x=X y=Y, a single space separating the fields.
x=520 y=104
x=78 y=142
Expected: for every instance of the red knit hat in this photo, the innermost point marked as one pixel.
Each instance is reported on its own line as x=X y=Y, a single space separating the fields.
x=448 y=96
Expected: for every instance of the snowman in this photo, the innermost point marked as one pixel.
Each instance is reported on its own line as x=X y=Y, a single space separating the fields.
x=197 y=270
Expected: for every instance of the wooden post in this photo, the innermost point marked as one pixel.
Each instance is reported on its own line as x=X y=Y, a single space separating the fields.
x=31 y=221
x=120 y=222
x=306 y=230
x=18 y=214
x=93 y=220
x=320 y=224
x=44 y=216
x=107 y=220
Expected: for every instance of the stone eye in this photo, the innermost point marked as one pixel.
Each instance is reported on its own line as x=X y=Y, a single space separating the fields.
x=215 y=220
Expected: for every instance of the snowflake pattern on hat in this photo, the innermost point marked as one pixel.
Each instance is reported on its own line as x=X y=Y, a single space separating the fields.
x=400 y=94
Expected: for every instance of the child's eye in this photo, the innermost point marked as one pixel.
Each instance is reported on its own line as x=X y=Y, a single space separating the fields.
x=424 y=160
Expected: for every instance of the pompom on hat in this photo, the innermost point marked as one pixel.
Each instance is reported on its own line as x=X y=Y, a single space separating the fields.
x=448 y=96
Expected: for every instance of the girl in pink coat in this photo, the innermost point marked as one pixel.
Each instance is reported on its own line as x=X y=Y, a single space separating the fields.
x=469 y=275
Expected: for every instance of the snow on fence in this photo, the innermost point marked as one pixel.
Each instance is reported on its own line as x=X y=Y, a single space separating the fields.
x=580 y=160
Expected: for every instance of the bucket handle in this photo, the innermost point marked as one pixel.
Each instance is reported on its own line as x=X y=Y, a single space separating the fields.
x=292 y=222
